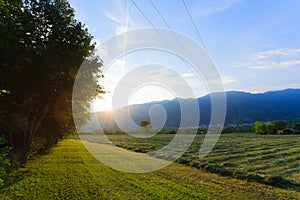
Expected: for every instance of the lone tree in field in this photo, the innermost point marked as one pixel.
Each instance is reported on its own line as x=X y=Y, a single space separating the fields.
x=42 y=47
x=145 y=125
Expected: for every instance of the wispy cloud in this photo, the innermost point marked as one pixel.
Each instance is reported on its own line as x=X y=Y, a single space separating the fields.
x=228 y=79
x=119 y=16
x=112 y=17
x=224 y=80
x=205 y=8
x=261 y=89
x=188 y=75
x=273 y=65
x=272 y=59
x=121 y=21
x=275 y=52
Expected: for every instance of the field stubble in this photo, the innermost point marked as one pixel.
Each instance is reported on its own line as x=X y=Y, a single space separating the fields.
x=269 y=159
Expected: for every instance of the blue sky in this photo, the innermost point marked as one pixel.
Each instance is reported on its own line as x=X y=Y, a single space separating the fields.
x=254 y=43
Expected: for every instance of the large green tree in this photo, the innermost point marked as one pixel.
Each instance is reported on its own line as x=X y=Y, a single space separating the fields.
x=270 y=128
x=260 y=127
x=42 y=47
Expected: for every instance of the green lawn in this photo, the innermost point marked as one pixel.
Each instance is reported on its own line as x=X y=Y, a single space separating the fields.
x=70 y=172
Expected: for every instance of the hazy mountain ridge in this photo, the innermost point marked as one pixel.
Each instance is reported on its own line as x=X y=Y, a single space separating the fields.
x=242 y=107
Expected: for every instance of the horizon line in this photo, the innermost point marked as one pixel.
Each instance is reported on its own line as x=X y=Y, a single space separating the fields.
x=197 y=97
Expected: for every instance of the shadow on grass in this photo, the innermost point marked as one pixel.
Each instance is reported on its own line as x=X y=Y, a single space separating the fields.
x=21 y=171
x=15 y=177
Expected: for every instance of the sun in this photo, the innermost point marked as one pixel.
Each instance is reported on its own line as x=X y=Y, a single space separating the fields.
x=101 y=104
x=149 y=93
x=142 y=95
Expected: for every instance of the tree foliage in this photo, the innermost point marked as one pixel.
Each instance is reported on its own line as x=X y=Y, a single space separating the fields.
x=7 y=165
x=42 y=47
x=296 y=126
x=145 y=126
x=268 y=128
x=144 y=123
x=259 y=128
x=279 y=125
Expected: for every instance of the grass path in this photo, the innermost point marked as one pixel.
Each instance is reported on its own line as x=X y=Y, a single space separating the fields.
x=70 y=172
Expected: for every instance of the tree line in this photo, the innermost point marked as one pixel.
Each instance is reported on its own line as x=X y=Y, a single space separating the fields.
x=272 y=128
x=42 y=48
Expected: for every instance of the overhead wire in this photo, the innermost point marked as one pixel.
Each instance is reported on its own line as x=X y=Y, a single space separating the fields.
x=144 y=15
x=169 y=27
x=125 y=35
x=194 y=24
x=165 y=21
x=149 y=21
x=156 y=9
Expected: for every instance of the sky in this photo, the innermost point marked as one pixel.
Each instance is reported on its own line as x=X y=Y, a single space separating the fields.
x=254 y=44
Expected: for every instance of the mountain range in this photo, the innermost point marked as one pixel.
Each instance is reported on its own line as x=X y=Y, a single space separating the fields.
x=242 y=108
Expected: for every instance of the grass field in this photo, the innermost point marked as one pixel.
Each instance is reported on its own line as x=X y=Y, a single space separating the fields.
x=70 y=172
x=246 y=156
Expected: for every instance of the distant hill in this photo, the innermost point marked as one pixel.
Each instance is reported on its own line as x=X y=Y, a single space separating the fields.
x=242 y=107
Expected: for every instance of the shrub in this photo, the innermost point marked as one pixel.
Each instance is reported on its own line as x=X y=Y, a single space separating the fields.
x=296 y=126
x=6 y=164
x=39 y=146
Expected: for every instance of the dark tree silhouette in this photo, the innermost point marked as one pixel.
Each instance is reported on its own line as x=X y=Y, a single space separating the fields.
x=42 y=47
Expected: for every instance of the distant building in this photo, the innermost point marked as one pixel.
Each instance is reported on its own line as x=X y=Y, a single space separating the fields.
x=290 y=131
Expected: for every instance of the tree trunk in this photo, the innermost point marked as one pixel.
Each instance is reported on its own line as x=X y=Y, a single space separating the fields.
x=31 y=133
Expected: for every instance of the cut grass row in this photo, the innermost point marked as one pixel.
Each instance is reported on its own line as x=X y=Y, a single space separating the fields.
x=266 y=155
x=70 y=172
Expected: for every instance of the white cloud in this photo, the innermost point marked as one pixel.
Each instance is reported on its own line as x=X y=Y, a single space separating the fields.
x=224 y=80
x=188 y=75
x=228 y=79
x=121 y=20
x=272 y=59
x=261 y=89
x=278 y=65
x=205 y=8
x=112 y=17
x=120 y=16
x=275 y=52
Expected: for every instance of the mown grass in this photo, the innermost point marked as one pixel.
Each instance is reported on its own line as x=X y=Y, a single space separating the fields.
x=70 y=172
x=238 y=155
